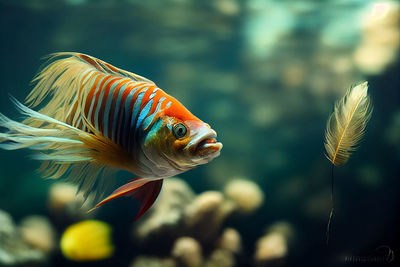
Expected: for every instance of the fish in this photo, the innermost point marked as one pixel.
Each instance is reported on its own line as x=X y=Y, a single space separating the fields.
x=95 y=119
x=88 y=240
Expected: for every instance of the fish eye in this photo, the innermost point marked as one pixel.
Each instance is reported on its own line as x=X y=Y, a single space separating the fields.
x=180 y=130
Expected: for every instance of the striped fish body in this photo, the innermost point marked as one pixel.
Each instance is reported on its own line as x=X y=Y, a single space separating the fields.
x=123 y=111
x=117 y=107
x=96 y=118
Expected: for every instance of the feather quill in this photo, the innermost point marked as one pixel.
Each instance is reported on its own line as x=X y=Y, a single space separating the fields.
x=346 y=126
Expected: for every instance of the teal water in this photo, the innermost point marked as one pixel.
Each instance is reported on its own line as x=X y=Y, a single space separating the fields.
x=265 y=75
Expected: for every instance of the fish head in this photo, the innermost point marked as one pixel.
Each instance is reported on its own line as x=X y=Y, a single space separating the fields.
x=194 y=141
x=183 y=141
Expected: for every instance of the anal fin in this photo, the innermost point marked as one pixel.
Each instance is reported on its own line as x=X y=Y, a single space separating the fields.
x=145 y=191
x=146 y=196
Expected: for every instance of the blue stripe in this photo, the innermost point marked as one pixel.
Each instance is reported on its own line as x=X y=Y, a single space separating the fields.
x=124 y=124
x=150 y=118
x=145 y=111
x=116 y=110
x=153 y=93
x=153 y=132
x=108 y=105
x=130 y=132
x=121 y=125
x=136 y=107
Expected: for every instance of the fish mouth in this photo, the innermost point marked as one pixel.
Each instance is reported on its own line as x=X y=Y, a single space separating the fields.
x=207 y=144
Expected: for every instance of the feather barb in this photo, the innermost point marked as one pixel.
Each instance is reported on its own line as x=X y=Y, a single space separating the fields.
x=346 y=126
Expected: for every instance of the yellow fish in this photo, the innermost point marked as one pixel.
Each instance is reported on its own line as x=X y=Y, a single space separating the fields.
x=87 y=241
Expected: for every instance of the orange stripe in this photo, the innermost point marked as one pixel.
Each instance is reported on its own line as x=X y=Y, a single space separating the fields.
x=90 y=95
x=133 y=100
x=146 y=96
x=177 y=110
x=97 y=97
x=160 y=93
x=111 y=67
x=134 y=97
x=91 y=61
x=168 y=99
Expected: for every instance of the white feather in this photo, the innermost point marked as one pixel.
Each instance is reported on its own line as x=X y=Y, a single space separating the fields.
x=346 y=126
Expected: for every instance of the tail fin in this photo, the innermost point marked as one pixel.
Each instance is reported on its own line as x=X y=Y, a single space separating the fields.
x=62 y=142
x=66 y=151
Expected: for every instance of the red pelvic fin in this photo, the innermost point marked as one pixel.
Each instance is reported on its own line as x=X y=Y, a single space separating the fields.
x=124 y=190
x=143 y=190
x=146 y=195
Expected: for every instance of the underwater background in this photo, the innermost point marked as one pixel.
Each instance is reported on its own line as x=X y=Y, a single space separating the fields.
x=265 y=74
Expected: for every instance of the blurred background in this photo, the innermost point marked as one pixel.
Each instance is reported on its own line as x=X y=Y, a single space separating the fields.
x=265 y=75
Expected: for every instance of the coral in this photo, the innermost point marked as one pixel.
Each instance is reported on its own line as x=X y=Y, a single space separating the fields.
x=62 y=194
x=143 y=261
x=14 y=251
x=87 y=241
x=246 y=194
x=272 y=248
x=191 y=227
x=187 y=252
x=284 y=228
x=64 y=201
x=168 y=210
x=220 y=258
x=178 y=212
x=230 y=240
x=38 y=232
x=206 y=214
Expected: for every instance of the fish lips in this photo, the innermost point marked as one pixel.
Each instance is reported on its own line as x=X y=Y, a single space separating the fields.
x=205 y=144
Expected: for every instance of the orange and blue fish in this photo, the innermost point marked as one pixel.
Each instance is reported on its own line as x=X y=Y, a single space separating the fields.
x=95 y=119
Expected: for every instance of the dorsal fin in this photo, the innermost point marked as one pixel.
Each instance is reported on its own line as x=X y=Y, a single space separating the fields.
x=104 y=66
x=65 y=82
